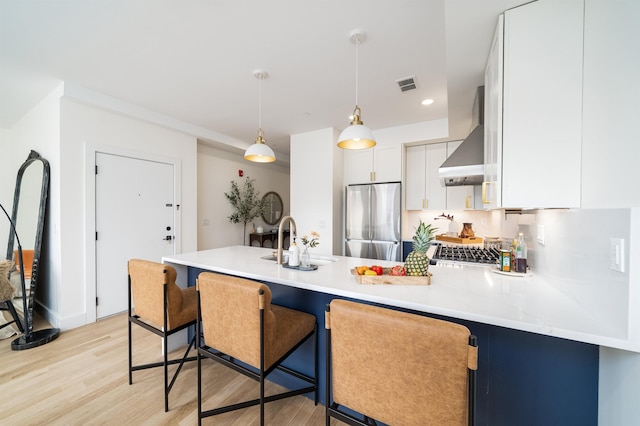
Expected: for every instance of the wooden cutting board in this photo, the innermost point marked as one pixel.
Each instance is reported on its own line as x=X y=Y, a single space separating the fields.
x=385 y=278
x=458 y=240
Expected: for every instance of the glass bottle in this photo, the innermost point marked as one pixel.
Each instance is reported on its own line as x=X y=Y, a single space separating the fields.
x=521 y=254
x=513 y=248
x=305 y=258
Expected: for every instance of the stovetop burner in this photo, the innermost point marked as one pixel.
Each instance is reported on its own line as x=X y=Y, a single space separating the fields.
x=467 y=254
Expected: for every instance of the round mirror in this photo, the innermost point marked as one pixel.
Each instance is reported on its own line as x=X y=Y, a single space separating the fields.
x=273 y=208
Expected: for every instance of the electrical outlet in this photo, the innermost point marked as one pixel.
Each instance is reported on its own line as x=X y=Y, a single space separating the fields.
x=616 y=262
x=541 y=234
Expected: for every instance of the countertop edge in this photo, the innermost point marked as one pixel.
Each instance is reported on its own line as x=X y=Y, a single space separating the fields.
x=541 y=326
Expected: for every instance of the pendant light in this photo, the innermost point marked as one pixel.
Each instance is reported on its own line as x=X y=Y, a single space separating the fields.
x=357 y=135
x=260 y=152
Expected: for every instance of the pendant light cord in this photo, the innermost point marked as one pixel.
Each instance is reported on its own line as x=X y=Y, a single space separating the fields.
x=357 y=43
x=260 y=102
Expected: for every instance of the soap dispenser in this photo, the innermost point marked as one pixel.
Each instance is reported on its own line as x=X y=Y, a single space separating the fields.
x=453 y=228
x=294 y=254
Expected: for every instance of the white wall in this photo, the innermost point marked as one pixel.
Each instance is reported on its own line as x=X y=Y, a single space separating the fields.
x=618 y=388
x=316 y=187
x=9 y=165
x=339 y=208
x=39 y=130
x=216 y=169
x=86 y=129
x=610 y=152
x=62 y=131
x=411 y=133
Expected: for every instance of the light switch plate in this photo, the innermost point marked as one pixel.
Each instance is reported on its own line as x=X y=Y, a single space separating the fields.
x=616 y=262
x=541 y=234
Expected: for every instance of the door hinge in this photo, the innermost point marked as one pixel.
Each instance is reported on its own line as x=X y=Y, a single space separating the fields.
x=96 y=235
x=96 y=300
x=96 y=169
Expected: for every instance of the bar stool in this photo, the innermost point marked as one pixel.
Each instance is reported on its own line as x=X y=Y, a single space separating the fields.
x=398 y=368
x=162 y=308
x=245 y=332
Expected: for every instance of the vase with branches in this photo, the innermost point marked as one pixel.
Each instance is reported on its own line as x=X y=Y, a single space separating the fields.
x=247 y=204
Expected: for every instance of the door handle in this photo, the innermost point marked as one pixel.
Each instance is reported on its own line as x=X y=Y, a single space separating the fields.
x=167 y=238
x=485 y=199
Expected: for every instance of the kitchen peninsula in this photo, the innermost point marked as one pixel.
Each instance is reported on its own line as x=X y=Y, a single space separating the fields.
x=538 y=348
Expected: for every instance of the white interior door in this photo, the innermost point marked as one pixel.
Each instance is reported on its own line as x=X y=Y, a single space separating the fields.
x=135 y=218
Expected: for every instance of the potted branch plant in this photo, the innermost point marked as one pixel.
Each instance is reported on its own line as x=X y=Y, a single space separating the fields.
x=247 y=204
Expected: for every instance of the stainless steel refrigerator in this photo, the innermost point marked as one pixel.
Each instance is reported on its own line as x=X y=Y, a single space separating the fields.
x=373 y=221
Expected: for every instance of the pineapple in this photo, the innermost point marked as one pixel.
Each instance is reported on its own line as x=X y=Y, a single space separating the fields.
x=417 y=262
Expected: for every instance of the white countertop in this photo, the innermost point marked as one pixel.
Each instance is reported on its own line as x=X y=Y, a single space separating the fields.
x=468 y=292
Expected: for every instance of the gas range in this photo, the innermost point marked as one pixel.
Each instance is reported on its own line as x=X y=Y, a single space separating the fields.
x=446 y=254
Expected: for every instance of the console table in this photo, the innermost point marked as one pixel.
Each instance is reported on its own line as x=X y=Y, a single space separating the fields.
x=261 y=237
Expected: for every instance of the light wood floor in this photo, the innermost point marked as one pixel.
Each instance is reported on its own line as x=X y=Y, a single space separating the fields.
x=81 y=379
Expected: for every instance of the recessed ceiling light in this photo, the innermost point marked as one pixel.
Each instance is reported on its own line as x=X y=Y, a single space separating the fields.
x=427 y=102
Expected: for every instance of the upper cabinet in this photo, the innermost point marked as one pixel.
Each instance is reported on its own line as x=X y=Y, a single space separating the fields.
x=610 y=131
x=422 y=185
x=492 y=185
x=379 y=164
x=423 y=189
x=459 y=197
x=533 y=107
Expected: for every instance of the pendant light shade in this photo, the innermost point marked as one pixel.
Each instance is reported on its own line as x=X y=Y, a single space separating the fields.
x=357 y=135
x=260 y=152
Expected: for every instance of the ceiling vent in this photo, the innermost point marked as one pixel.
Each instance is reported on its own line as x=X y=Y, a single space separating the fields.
x=407 y=83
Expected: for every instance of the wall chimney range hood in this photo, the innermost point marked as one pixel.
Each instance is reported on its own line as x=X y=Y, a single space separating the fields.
x=465 y=166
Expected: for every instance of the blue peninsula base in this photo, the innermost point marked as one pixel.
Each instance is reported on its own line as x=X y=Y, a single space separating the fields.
x=523 y=378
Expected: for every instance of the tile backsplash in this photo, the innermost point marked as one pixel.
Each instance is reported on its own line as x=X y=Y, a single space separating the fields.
x=575 y=255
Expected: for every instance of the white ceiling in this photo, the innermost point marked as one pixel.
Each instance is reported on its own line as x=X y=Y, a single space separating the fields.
x=194 y=60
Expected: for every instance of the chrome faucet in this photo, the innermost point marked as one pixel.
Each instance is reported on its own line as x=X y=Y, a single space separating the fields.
x=280 y=239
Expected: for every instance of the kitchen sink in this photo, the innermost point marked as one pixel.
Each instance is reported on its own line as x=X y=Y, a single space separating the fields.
x=316 y=259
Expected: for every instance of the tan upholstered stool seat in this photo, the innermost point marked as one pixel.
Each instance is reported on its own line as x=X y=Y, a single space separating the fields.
x=291 y=327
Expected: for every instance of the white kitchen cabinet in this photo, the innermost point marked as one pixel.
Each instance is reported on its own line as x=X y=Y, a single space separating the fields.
x=423 y=190
x=492 y=184
x=459 y=197
x=533 y=110
x=379 y=164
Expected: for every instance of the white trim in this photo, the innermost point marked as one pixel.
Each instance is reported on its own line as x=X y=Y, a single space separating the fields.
x=87 y=96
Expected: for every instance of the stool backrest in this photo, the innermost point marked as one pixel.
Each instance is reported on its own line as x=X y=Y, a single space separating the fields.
x=230 y=312
x=148 y=280
x=400 y=368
